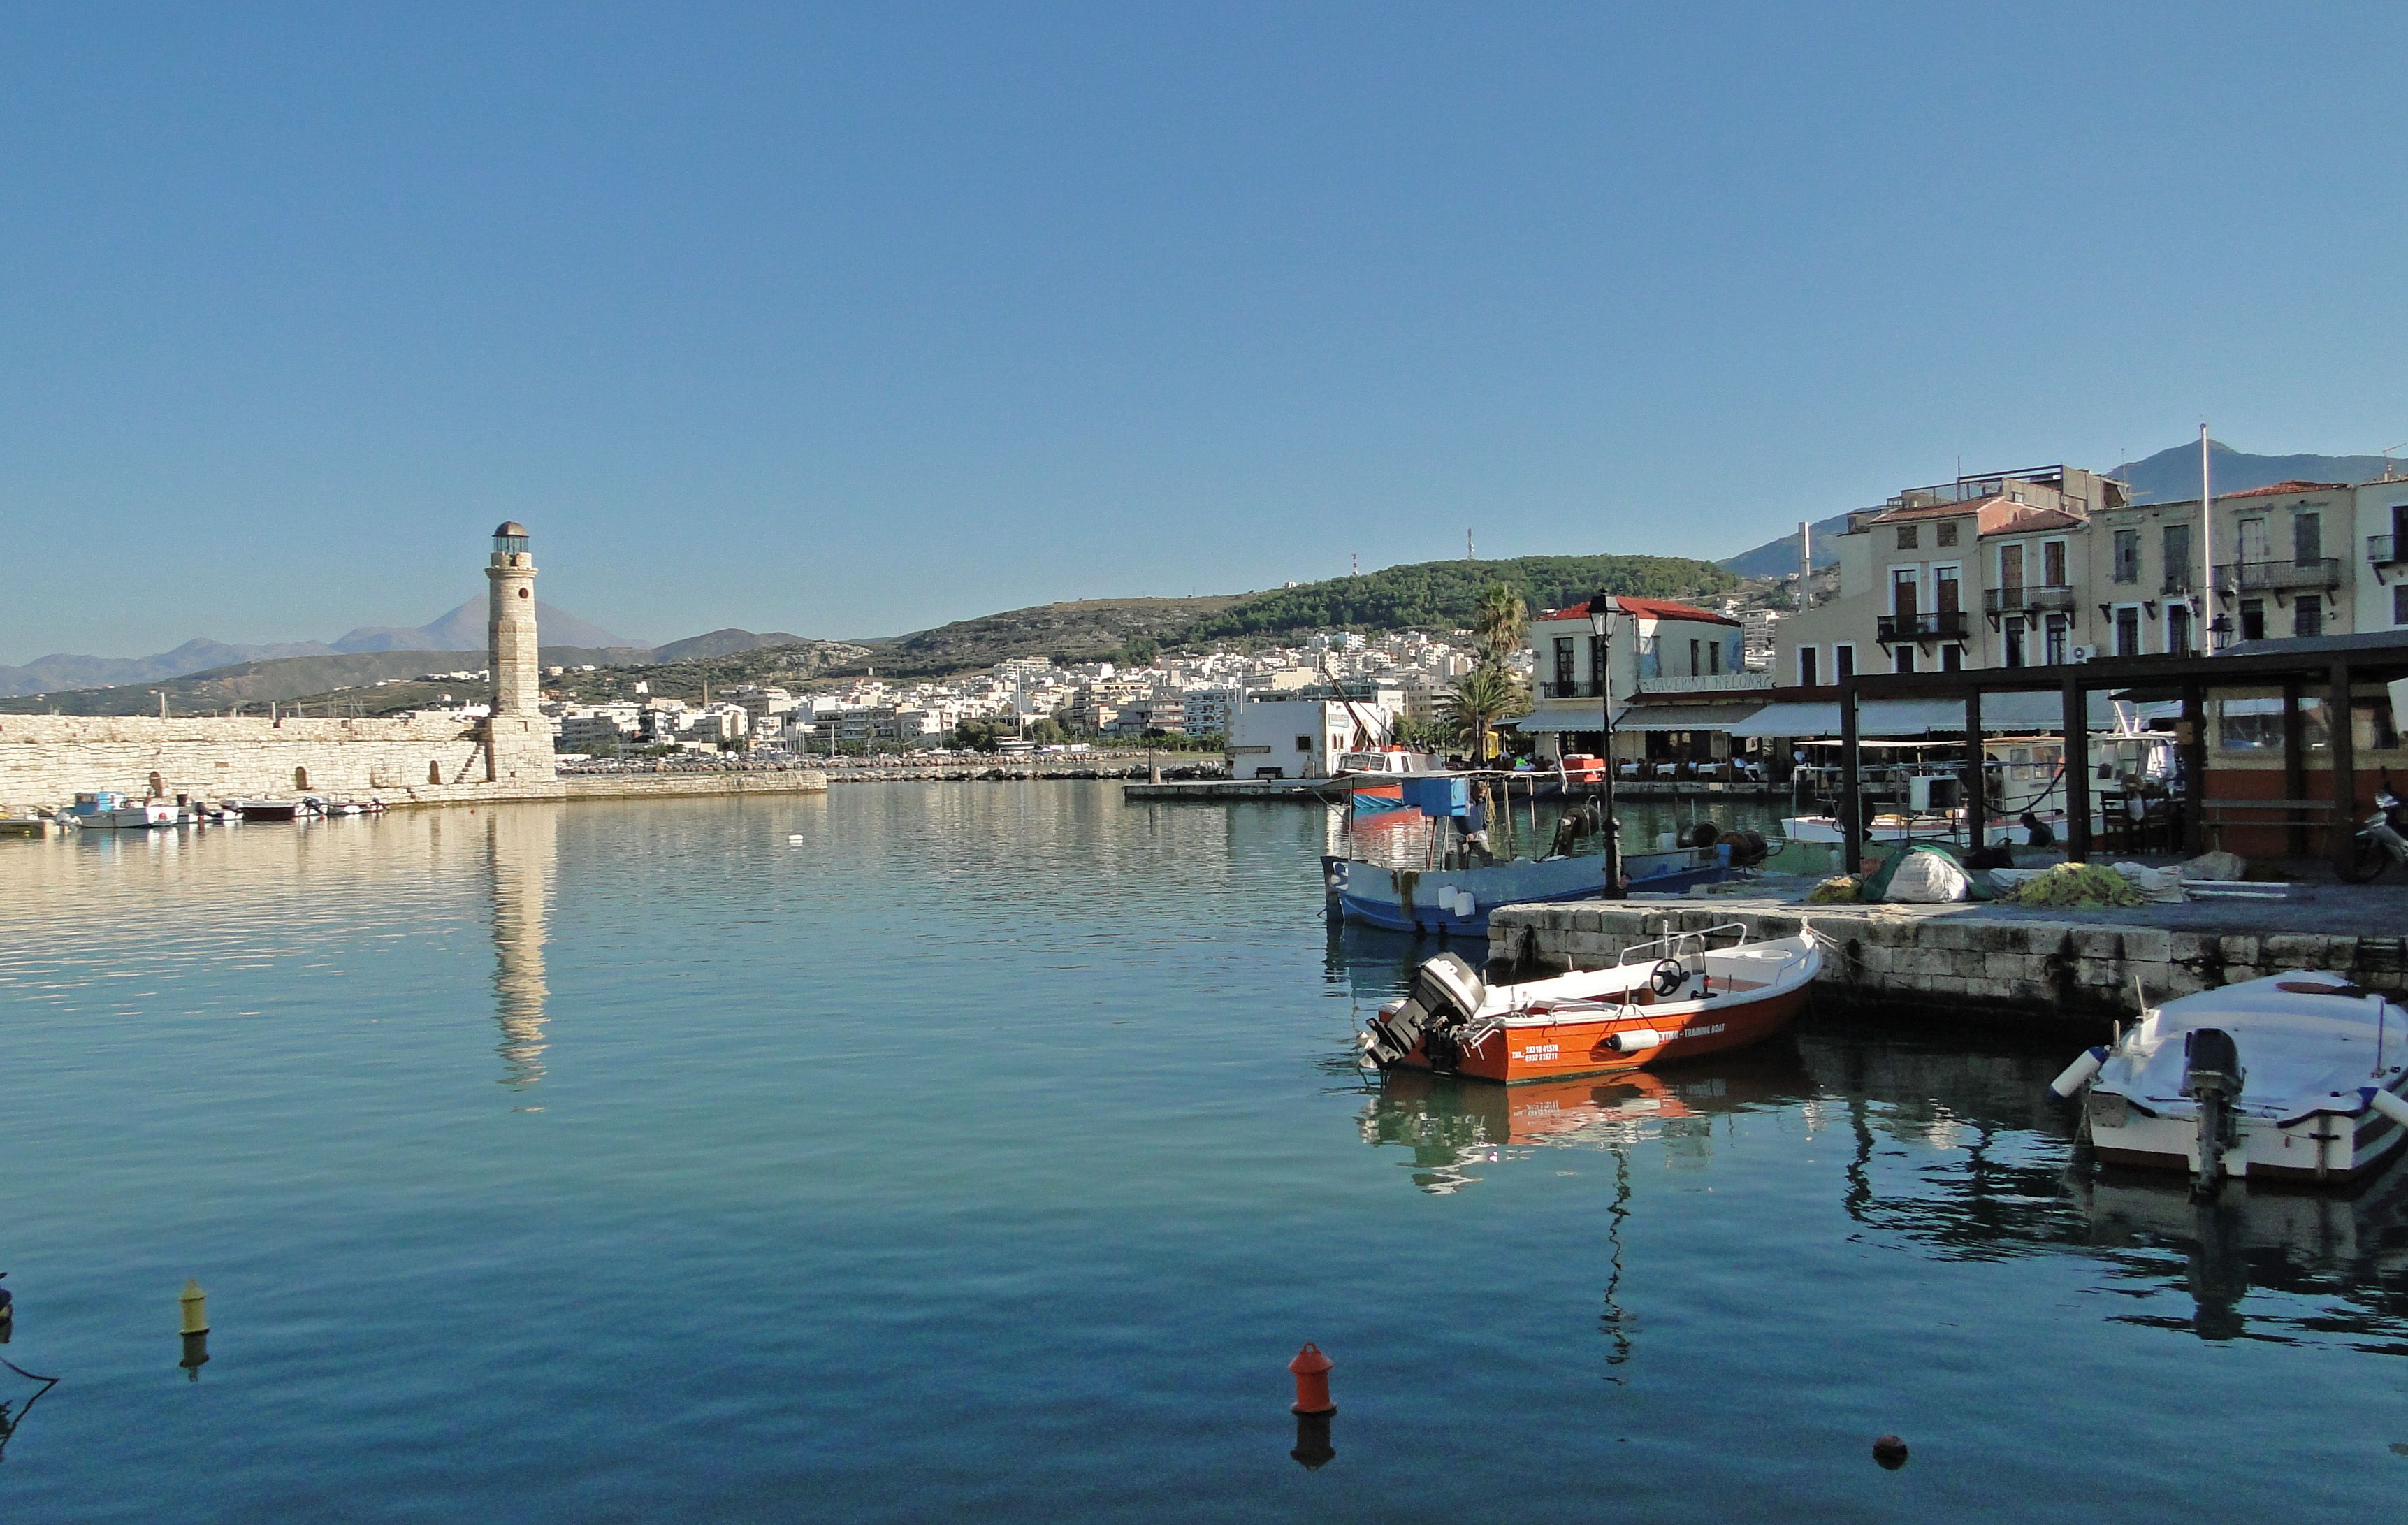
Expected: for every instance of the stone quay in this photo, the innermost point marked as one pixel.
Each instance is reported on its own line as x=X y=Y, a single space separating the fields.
x=2011 y=965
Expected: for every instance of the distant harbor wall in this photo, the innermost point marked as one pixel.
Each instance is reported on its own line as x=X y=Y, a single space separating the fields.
x=1987 y=963
x=685 y=785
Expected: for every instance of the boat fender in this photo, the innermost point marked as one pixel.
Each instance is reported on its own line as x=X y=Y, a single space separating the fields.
x=2386 y=1103
x=1634 y=1040
x=2078 y=1074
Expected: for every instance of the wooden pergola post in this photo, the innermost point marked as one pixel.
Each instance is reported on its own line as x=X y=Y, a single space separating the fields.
x=2077 y=770
x=2295 y=771
x=2339 y=725
x=1852 y=811
x=2194 y=768
x=1977 y=819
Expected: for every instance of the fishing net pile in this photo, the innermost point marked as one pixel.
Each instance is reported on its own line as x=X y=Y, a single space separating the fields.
x=2076 y=883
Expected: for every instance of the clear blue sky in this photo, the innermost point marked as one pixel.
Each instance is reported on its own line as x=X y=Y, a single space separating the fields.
x=855 y=321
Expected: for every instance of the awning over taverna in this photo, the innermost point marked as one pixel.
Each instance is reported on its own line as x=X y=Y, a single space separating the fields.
x=1647 y=717
x=2025 y=712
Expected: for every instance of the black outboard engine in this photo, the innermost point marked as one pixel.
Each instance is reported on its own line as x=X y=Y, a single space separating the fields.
x=1446 y=994
x=2212 y=1077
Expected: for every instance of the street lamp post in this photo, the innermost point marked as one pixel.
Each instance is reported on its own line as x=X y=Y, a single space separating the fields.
x=1603 y=610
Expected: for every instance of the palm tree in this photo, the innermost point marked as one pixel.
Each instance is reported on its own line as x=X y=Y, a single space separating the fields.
x=1484 y=696
x=1500 y=622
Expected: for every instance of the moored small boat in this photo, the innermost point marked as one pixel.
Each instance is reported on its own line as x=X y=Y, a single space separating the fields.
x=267 y=810
x=2297 y=1076
x=117 y=813
x=1672 y=998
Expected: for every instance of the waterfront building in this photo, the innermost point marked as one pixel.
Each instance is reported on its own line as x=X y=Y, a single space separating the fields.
x=1285 y=737
x=1678 y=675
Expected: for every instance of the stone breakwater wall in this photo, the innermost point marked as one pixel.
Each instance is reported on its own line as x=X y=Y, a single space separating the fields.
x=46 y=760
x=1955 y=963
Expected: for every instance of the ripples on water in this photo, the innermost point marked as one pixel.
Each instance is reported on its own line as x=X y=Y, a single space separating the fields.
x=989 y=1153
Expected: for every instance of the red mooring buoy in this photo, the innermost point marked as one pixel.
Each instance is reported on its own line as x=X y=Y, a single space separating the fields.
x=1890 y=1451
x=1311 y=1369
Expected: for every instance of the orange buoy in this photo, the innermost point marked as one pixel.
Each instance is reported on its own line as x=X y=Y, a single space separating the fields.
x=1311 y=1369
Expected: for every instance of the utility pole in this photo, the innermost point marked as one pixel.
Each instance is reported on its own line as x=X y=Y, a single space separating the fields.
x=1805 y=561
x=1469 y=554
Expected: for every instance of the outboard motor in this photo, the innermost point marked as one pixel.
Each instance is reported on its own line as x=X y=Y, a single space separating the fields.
x=2212 y=1077
x=1446 y=993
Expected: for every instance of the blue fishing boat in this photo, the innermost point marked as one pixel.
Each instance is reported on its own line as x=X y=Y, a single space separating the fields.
x=1457 y=901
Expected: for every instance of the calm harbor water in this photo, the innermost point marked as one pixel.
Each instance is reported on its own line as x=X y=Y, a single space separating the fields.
x=989 y=1152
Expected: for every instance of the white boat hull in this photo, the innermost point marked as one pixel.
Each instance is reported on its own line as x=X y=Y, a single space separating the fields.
x=2315 y=1052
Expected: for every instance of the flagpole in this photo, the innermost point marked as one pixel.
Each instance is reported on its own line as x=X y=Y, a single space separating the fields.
x=2206 y=550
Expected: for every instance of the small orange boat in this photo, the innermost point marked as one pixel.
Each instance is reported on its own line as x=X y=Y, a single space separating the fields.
x=1674 y=999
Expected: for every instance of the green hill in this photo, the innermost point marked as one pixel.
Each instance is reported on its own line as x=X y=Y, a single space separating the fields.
x=1439 y=594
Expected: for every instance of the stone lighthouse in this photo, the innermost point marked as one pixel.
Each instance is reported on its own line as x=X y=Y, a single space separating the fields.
x=519 y=734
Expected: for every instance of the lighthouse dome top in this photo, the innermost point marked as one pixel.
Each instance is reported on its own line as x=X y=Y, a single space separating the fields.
x=509 y=529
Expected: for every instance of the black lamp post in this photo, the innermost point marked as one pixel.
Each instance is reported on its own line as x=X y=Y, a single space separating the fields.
x=1603 y=611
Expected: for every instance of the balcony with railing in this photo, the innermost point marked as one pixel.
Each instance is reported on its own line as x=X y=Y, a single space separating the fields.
x=2031 y=596
x=1937 y=625
x=2177 y=583
x=2278 y=576
x=1585 y=689
x=2386 y=550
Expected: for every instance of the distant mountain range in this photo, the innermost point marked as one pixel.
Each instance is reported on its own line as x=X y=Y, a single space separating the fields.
x=464 y=630
x=2170 y=476
x=461 y=631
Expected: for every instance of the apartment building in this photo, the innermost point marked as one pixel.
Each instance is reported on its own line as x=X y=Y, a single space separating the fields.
x=2058 y=565
x=1205 y=711
x=1996 y=569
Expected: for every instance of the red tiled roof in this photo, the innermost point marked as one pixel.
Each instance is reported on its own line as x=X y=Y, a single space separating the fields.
x=2028 y=521
x=1934 y=511
x=2284 y=489
x=1646 y=609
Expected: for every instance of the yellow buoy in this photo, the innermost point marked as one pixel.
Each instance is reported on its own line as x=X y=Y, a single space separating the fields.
x=197 y=1309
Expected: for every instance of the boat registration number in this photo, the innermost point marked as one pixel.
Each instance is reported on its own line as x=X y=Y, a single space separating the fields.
x=1701 y=1033
x=1539 y=1051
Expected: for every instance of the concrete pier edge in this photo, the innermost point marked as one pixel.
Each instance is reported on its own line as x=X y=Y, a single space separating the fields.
x=1953 y=965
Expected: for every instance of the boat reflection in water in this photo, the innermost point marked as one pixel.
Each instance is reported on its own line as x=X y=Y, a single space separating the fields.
x=1953 y=1154
x=1456 y=1126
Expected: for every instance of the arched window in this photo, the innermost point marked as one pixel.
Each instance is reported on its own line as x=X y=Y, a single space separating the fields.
x=434 y=772
x=300 y=778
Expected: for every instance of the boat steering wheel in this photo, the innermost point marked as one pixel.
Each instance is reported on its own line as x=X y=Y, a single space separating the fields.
x=1667 y=977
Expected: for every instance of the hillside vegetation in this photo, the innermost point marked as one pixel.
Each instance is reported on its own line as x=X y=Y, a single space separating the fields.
x=1084 y=630
x=1439 y=595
